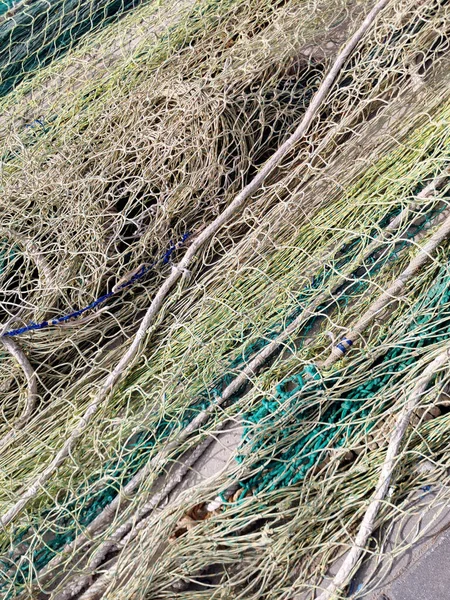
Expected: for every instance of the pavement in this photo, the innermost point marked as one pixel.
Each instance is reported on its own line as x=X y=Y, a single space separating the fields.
x=408 y=560
x=214 y=460
x=428 y=578
x=412 y=559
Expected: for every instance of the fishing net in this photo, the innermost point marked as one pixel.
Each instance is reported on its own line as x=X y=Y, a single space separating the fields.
x=126 y=129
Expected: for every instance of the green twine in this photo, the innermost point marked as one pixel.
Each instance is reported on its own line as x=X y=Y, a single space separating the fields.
x=289 y=467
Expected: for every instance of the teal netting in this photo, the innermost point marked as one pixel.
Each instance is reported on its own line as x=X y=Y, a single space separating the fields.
x=39 y=32
x=5 y=5
x=292 y=463
x=278 y=418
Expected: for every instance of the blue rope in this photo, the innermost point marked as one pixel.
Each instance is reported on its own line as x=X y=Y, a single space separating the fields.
x=73 y=315
x=40 y=122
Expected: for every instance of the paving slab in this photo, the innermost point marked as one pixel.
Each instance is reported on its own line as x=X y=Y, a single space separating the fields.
x=214 y=460
x=413 y=557
x=409 y=559
x=428 y=578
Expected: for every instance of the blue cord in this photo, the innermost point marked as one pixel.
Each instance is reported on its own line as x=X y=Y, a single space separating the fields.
x=33 y=326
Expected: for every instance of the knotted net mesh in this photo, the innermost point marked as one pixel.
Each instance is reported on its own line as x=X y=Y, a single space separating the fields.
x=127 y=128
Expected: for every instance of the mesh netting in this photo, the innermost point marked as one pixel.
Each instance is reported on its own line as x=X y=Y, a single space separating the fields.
x=127 y=128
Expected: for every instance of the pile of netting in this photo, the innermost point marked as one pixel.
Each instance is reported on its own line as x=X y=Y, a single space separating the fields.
x=313 y=315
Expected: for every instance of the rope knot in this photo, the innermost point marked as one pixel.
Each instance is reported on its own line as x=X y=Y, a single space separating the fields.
x=185 y=273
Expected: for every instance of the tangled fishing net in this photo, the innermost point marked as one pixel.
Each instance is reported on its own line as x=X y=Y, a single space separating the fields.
x=135 y=331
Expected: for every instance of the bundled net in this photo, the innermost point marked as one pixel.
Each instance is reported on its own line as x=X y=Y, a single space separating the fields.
x=127 y=128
